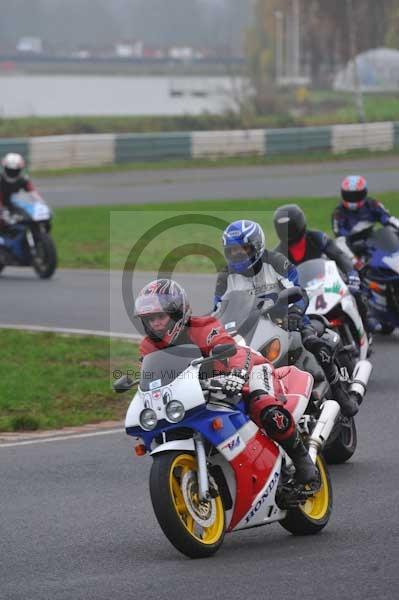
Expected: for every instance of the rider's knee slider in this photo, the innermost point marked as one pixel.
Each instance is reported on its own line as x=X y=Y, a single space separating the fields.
x=278 y=422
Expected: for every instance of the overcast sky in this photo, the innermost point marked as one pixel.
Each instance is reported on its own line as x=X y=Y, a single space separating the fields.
x=98 y=22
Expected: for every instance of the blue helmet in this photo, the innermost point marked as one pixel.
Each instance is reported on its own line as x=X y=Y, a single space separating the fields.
x=243 y=244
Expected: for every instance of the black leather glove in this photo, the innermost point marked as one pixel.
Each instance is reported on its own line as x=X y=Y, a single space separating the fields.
x=234 y=382
x=294 y=319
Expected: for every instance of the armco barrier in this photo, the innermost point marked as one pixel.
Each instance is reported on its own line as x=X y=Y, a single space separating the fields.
x=21 y=146
x=396 y=135
x=368 y=136
x=228 y=143
x=290 y=141
x=63 y=151
x=142 y=147
x=66 y=151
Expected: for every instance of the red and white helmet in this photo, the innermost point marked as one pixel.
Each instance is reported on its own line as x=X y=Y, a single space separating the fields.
x=13 y=164
x=354 y=192
x=163 y=296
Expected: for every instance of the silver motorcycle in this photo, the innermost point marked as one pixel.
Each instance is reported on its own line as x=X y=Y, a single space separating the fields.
x=259 y=323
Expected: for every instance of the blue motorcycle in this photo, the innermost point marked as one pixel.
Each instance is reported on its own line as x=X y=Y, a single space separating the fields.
x=26 y=239
x=380 y=252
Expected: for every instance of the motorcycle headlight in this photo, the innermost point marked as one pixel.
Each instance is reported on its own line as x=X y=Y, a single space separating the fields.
x=272 y=350
x=148 y=419
x=175 y=411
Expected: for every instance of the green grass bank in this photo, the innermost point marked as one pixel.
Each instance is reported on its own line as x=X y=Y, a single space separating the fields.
x=288 y=109
x=50 y=381
x=82 y=234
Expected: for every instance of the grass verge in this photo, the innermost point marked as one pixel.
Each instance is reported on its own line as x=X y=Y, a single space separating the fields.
x=82 y=233
x=50 y=381
x=291 y=110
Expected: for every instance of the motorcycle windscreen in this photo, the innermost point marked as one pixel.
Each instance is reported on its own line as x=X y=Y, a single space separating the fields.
x=385 y=239
x=164 y=366
x=239 y=311
x=312 y=273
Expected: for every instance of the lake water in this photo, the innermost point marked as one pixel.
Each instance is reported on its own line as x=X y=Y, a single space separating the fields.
x=103 y=95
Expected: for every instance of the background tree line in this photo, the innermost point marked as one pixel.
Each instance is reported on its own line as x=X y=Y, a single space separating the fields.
x=325 y=33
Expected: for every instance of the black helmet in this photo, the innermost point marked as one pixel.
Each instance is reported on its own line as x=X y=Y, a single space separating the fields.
x=290 y=223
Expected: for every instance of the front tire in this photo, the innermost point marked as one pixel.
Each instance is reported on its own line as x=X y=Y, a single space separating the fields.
x=45 y=261
x=344 y=445
x=195 y=528
x=312 y=516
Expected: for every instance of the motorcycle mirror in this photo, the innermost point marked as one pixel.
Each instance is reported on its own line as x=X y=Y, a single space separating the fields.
x=285 y=298
x=292 y=295
x=219 y=352
x=224 y=350
x=124 y=384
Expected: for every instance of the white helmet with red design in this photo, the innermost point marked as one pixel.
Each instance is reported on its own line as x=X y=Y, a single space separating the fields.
x=13 y=165
x=163 y=296
x=354 y=192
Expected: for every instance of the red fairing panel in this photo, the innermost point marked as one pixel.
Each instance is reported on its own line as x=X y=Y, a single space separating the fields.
x=252 y=469
x=297 y=386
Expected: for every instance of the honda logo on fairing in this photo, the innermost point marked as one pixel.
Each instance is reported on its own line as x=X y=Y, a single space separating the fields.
x=264 y=496
x=233 y=444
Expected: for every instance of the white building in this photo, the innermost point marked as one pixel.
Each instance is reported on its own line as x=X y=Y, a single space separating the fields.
x=33 y=45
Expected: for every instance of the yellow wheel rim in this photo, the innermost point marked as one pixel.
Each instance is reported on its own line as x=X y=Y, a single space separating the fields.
x=316 y=507
x=204 y=521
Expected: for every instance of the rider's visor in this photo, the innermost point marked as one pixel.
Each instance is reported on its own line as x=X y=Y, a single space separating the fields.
x=238 y=253
x=154 y=304
x=12 y=173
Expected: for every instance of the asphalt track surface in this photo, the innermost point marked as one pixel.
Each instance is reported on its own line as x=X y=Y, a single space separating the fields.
x=75 y=517
x=163 y=186
x=83 y=299
x=76 y=523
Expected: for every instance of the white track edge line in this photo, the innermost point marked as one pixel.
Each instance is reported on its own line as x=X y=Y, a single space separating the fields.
x=62 y=438
x=72 y=331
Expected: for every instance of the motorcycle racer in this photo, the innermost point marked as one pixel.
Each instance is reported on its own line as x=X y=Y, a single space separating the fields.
x=264 y=273
x=299 y=244
x=164 y=311
x=357 y=212
x=12 y=181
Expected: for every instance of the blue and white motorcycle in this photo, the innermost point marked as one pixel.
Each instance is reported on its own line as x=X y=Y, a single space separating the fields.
x=380 y=253
x=26 y=239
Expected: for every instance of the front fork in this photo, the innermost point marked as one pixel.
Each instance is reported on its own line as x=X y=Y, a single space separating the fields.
x=203 y=481
x=31 y=242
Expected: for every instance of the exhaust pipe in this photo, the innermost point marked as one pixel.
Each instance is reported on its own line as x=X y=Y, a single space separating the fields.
x=323 y=428
x=360 y=378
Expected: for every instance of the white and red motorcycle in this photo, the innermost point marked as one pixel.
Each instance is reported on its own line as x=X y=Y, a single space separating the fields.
x=214 y=471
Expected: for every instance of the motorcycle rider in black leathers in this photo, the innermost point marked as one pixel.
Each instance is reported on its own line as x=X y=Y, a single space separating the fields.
x=12 y=181
x=250 y=266
x=299 y=244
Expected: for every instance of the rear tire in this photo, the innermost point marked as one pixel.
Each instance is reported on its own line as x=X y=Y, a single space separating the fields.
x=344 y=445
x=45 y=263
x=195 y=528
x=387 y=329
x=311 y=517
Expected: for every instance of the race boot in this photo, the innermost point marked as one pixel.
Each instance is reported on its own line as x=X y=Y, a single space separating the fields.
x=306 y=471
x=347 y=402
x=324 y=353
